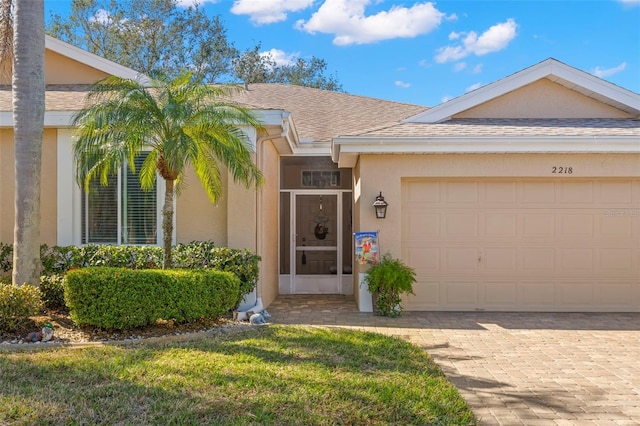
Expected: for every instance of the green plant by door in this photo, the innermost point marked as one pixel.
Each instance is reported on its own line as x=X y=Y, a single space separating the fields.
x=387 y=281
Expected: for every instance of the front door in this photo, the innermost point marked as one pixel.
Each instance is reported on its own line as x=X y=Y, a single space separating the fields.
x=316 y=240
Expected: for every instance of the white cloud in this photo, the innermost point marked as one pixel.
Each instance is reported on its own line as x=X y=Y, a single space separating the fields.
x=454 y=35
x=101 y=17
x=473 y=87
x=477 y=69
x=268 y=11
x=494 y=39
x=446 y=98
x=187 y=3
x=459 y=66
x=347 y=20
x=402 y=84
x=630 y=2
x=281 y=57
x=606 y=72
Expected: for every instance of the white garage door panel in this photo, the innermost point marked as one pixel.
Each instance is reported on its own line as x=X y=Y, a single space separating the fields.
x=523 y=244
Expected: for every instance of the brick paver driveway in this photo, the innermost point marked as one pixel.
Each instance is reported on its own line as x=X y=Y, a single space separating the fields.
x=512 y=368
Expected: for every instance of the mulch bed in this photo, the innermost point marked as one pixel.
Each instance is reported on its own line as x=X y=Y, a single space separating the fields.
x=66 y=332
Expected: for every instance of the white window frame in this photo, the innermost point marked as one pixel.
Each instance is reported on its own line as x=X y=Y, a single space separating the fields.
x=69 y=196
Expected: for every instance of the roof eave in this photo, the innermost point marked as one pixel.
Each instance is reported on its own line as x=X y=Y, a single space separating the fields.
x=346 y=150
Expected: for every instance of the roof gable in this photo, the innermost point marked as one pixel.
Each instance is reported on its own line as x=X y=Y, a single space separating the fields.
x=590 y=88
x=79 y=63
x=66 y=64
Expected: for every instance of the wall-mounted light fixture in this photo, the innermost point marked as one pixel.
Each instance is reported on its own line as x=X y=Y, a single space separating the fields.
x=381 y=207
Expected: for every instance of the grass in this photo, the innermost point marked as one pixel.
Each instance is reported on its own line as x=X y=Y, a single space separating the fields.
x=275 y=375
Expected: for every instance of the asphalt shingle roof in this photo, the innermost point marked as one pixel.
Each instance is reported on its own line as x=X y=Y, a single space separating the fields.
x=512 y=127
x=58 y=97
x=322 y=115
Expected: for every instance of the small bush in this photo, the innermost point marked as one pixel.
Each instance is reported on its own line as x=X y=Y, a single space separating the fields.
x=119 y=298
x=56 y=260
x=6 y=257
x=52 y=289
x=17 y=304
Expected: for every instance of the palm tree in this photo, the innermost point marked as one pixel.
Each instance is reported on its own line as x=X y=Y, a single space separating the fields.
x=180 y=123
x=6 y=38
x=28 y=87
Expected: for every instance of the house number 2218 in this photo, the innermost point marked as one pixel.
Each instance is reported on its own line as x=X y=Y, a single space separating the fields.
x=562 y=170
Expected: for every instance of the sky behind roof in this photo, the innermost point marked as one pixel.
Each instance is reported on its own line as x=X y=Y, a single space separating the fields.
x=428 y=52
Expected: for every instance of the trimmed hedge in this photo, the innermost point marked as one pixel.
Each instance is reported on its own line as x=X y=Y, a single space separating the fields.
x=243 y=263
x=122 y=298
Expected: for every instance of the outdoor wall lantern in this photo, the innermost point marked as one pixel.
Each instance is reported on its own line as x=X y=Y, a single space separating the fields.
x=381 y=207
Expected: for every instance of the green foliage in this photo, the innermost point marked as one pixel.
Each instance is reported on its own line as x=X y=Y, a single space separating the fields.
x=253 y=66
x=57 y=260
x=308 y=74
x=6 y=257
x=17 y=304
x=243 y=263
x=119 y=298
x=181 y=122
x=387 y=281
x=149 y=35
x=52 y=290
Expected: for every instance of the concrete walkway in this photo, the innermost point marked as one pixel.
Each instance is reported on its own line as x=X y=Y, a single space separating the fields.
x=511 y=368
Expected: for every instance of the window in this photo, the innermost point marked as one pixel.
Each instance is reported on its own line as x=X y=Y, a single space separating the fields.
x=121 y=212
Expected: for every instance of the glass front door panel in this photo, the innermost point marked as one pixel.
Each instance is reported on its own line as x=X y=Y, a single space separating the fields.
x=316 y=237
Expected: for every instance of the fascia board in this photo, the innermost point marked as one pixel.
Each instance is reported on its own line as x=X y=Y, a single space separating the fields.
x=485 y=145
x=623 y=98
x=269 y=117
x=60 y=119
x=481 y=95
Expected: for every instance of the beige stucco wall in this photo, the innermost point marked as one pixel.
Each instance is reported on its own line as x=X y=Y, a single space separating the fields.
x=57 y=70
x=241 y=215
x=48 y=192
x=197 y=219
x=357 y=225
x=385 y=173
x=6 y=186
x=543 y=99
x=269 y=219
x=62 y=70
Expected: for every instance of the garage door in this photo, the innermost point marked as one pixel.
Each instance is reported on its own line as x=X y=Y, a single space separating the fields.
x=523 y=244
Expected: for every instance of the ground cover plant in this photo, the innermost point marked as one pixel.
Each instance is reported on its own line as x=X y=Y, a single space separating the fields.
x=274 y=375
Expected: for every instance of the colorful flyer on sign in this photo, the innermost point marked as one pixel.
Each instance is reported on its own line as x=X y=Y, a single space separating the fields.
x=366 y=248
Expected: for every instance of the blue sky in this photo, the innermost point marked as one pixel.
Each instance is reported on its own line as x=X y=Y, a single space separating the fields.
x=428 y=52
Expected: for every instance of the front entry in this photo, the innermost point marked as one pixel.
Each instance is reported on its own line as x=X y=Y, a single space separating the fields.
x=315 y=255
x=316 y=236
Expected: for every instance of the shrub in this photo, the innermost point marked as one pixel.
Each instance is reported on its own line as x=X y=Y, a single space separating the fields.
x=17 y=304
x=6 y=257
x=387 y=280
x=52 y=289
x=120 y=298
x=243 y=263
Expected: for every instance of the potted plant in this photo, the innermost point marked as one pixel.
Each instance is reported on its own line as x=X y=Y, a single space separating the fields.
x=387 y=280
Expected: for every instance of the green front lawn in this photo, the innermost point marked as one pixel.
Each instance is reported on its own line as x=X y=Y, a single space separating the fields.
x=273 y=375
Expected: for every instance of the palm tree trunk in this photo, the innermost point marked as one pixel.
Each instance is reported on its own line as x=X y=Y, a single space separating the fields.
x=167 y=223
x=28 y=116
